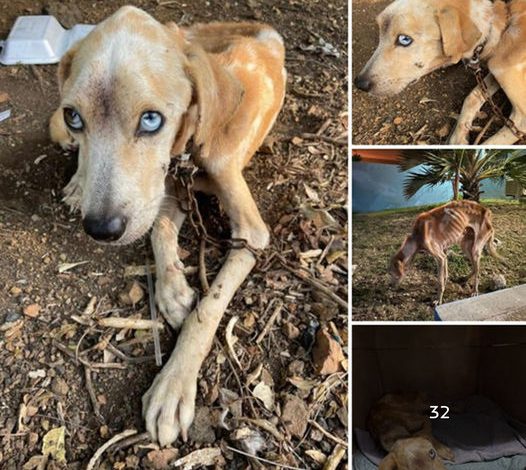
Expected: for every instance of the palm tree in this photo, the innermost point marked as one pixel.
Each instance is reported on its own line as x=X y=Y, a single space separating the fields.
x=464 y=168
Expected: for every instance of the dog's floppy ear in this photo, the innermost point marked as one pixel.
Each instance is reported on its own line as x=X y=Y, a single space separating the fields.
x=216 y=92
x=186 y=130
x=459 y=33
x=388 y=463
x=64 y=67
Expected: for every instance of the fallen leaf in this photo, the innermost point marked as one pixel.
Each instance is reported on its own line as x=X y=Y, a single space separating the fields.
x=295 y=416
x=327 y=353
x=250 y=440
x=303 y=384
x=53 y=444
x=265 y=394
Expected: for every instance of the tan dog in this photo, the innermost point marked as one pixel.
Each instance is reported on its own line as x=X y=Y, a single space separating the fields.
x=401 y=424
x=418 y=36
x=466 y=223
x=134 y=94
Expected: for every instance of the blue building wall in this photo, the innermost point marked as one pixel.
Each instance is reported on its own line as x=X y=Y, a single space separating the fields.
x=377 y=187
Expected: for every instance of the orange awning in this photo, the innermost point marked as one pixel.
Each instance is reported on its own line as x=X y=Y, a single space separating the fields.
x=389 y=156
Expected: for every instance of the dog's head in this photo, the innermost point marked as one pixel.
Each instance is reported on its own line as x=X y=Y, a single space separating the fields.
x=133 y=93
x=417 y=37
x=414 y=453
x=396 y=269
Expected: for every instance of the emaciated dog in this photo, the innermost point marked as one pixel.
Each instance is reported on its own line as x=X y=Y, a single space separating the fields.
x=419 y=36
x=136 y=93
x=466 y=223
x=401 y=425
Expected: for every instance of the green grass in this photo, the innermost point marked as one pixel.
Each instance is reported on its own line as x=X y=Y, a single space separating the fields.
x=377 y=236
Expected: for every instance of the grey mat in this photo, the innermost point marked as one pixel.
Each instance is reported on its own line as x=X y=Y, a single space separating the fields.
x=481 y=433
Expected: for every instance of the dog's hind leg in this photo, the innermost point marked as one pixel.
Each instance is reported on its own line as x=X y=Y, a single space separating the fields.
x=470 y=108
x=173 y=295
x=505 y=136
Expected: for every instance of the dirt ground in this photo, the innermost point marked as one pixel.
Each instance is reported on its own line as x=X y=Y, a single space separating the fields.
x=425 y=112
x=49 y=335
x=377 y=236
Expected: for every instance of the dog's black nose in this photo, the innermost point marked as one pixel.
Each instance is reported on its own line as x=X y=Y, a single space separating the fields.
x=363 y=83
x=104 y=229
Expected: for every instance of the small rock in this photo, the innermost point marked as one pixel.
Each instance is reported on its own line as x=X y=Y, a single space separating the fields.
x=15 y=290
x=296 y=368
x=160 y=459
x=397 y=121
x=132 y=295
x=59 y=386
x=104 y=431
x=12 y=317
x=497 y=282
x=444 y=131
x=291 y=331
x=295 y=416
x=32 y=310
x=327 y=353
x=37 y=374
x=325 y=311
x=201 y=430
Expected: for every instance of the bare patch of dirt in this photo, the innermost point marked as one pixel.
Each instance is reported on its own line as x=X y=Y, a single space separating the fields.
x=377 y=236
x=300 y=185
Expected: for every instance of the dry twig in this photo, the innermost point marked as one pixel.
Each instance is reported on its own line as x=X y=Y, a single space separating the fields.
x=118 y=437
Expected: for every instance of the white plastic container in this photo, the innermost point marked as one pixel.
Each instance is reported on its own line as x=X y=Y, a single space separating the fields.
x=39 y=40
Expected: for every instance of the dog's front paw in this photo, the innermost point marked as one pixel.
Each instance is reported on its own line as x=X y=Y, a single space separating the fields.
x=169 y=404
x=72 y=193
x=174 y=297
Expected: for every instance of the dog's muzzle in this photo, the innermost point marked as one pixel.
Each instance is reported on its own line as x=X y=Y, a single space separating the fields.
x=364 y=83
x=104 y=229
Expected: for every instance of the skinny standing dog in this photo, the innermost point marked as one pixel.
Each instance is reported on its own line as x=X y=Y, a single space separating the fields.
x=466 y=223
x=419 y=36
x=400 y=423
x=134 y=94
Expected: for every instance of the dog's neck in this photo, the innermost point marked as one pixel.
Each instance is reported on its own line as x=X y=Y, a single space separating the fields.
x=407 y=251
x=491 y=30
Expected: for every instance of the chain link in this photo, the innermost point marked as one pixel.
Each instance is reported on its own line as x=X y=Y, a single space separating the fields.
x=183 y=170
x=474 y=65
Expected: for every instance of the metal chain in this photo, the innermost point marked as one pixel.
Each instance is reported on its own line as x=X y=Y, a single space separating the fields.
x=183 y=169
x=474 y=65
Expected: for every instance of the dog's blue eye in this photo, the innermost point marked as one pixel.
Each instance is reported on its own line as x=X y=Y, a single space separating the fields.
x=403 y=40
x=151 y=121
x=73 y=120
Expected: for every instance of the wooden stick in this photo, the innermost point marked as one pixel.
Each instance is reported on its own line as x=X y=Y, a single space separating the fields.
x=118 y=437
x=261 y=459
x=317 y=285
x=153 y=314
x=129 y=323
x=93 y=397
x=270 y=322
x=328 y=434
x=202 y=267
x=335 y=458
